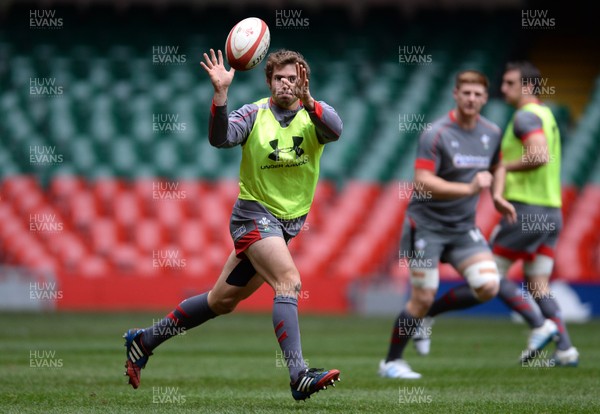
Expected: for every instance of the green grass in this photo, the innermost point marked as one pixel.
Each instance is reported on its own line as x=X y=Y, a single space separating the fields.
x=229 y=366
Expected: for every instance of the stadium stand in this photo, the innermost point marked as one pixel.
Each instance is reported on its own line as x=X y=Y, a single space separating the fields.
x=94 y=190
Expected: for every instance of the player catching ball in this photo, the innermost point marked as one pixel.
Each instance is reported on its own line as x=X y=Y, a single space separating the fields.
x=282 y=138
x=456 y=159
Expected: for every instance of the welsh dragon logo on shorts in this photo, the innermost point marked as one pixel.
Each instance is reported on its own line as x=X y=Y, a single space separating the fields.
x=265 y=222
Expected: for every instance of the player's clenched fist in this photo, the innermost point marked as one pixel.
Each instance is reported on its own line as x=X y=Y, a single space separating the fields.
x=482 y=179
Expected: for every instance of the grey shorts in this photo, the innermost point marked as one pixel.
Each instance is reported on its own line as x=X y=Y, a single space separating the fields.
x=535 y=232
x=251 y=221
x=424 y=248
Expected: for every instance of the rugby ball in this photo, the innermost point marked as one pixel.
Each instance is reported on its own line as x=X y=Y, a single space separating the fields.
x=247 y=43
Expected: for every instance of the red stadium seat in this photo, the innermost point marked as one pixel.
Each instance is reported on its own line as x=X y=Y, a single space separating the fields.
x=149 y=235
x=569 y=196
x=17 y=185
x=106 y=191
x=26 y=202
x=64 y=187
x=371 y=248
x=213 y=213
x=127 y=210
x=196 y=266
x=69 y=250
x=103 y=236
x=486 y=217
x=170 y=213
x=341 y=222
x=82 y=210
x=192 y=237
x=228 y=191
x=124 y=258
x=143 y=189
x=93 y=266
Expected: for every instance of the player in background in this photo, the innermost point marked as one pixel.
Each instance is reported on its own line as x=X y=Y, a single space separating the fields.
x=456 y=159
x=282 y=138
x=531 y=155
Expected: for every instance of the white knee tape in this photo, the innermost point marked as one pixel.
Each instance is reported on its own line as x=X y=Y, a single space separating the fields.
x=425 y=278
x=540 y=266
x=480 y=273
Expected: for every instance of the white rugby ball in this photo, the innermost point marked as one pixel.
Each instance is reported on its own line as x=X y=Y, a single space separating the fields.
x=247 y=43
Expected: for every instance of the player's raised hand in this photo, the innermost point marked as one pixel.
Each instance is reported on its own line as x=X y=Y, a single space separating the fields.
x=301 y=88
x=220 y=77
x=482 y=179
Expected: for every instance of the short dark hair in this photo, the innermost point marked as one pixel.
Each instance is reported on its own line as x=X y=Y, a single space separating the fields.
x=284 y=57
x=471 y=76
x=529 y=72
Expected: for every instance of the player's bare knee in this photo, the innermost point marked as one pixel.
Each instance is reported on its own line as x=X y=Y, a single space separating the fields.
x=288 y=284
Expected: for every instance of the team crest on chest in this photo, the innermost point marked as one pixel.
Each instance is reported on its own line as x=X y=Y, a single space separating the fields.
x=485 y=140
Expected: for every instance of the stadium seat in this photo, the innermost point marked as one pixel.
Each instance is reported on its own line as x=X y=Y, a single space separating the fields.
x=106 y=191
x=127 y=210
x=149 y=235
x=82 y=209
x=93 y=267
x=104 y=236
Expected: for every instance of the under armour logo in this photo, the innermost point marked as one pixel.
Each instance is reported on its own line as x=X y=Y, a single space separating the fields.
x=276 y=154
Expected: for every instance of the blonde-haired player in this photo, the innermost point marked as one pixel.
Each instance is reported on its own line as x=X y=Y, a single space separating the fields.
x=456 y=159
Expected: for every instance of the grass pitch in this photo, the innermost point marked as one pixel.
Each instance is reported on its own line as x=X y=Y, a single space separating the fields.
x=73 y=363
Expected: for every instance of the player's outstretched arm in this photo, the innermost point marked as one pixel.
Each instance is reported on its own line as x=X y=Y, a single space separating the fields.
x=220 y=77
